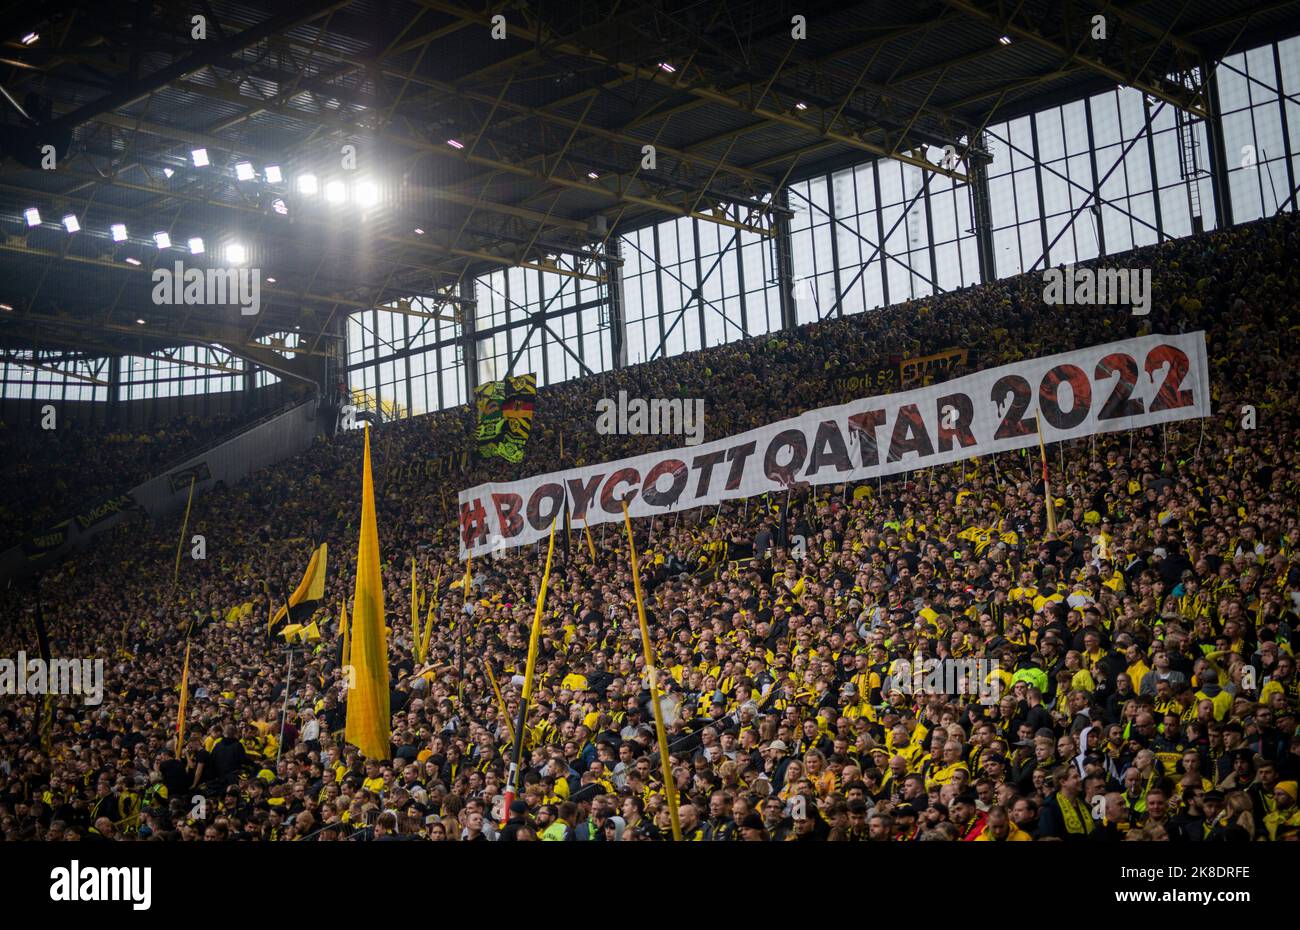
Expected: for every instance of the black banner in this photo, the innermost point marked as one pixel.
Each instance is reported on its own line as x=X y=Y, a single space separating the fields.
x=41 y=544
x=105 y=510
x=442 y=466
x=180 y=480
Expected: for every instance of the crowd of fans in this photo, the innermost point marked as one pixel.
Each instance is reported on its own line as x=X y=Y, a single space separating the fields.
x=1144 y=682
x=47 y=475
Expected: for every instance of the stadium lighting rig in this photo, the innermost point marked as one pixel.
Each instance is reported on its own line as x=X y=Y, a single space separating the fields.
x=367 y=194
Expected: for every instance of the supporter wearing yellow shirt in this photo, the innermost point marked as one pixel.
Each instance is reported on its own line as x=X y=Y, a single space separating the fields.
x=1001 y=829
x=373 y=781
x=1137 y=670
x=942 y=774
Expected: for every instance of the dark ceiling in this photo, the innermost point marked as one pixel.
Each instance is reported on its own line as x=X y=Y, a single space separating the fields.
x=550 y=120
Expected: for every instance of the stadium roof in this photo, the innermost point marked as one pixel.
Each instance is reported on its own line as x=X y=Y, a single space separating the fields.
x=525 y=149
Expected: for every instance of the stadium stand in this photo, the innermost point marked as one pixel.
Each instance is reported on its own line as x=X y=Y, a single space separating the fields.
x=47 y=474
x=1148 y=688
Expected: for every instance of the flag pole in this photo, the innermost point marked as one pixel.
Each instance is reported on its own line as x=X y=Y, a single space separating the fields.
x=670 y=787
x=415 y=614
x=185 y=692
x=466 y=607
x=45 y=724
x=428 y=618
x=501 y=702
x=180 y=543
x=1047 y=490
x=284 y=708
x=534 y=637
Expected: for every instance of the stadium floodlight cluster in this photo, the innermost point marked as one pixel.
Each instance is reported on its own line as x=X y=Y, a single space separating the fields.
x=365 y=193
x=235 y=252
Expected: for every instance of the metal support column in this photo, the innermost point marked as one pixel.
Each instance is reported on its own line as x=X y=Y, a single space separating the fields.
x=615 y=304
x=1154 y=169
x=250 y=387
x=1286 y=129
x=468 y=313
x=114 y=381
x=1218 y=155
x=1045 y=258
x=977 y=169
x=785 y=265
x=1099 y=226
x=833 y=213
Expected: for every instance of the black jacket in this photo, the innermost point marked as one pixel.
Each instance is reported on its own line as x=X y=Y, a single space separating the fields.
x=227 y=758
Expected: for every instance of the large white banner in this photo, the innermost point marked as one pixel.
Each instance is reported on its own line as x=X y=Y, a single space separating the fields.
x=1121 y=385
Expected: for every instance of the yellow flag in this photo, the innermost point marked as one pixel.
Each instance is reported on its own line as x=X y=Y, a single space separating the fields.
x=368 y=717
x=533 y=641
x=591 y=546
x=347 y=643
x=310 y=590
x=501 y=702
x=653 y=674
x=185 y=699
x=536 y=635
x=423 y=651
x=415 y=611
